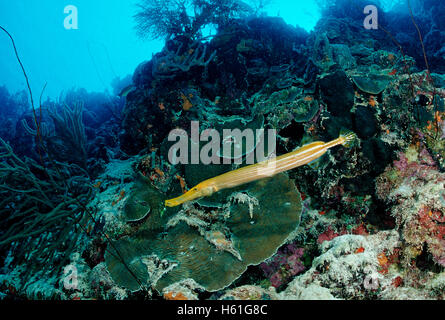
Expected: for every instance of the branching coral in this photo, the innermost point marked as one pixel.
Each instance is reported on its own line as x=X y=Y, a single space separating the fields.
x=67 y=142
x=162 y=19
x=169 y=63
x=70 y=129
x=39 y=207
x=158 y=18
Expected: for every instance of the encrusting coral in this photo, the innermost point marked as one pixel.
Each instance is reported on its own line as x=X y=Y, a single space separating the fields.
x=417 y=187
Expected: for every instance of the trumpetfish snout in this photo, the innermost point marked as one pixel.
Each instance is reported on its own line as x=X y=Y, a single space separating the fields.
x=263 y=169
x=203 y=189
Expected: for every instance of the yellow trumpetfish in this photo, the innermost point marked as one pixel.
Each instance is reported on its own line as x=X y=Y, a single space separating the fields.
x=263 y=169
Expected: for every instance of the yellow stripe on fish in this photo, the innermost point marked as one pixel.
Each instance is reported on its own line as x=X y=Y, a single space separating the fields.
x=263 y=169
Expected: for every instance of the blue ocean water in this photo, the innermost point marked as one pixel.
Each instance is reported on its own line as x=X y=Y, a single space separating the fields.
x=104 y=42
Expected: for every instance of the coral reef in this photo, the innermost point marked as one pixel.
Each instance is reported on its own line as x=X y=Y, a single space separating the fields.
x=348 y=267
x=163 y=19
x=83 y=182
x=188 y=246
x=285 y=264
x=40 y=209
x=415 y=184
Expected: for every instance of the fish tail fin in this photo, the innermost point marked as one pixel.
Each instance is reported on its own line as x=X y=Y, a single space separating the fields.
x=349 y=138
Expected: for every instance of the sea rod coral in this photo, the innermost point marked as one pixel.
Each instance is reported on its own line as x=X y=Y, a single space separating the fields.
x=39 y=210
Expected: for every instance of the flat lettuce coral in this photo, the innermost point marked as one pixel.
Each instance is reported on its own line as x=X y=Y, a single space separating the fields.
x=160 y=256
x=283 y=106
x=142 y=201
x=371 y=83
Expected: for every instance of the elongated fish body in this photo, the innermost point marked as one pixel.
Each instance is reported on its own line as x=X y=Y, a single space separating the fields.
x=267 y=168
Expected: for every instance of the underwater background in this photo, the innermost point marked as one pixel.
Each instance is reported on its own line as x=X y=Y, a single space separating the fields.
x=92 y=207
